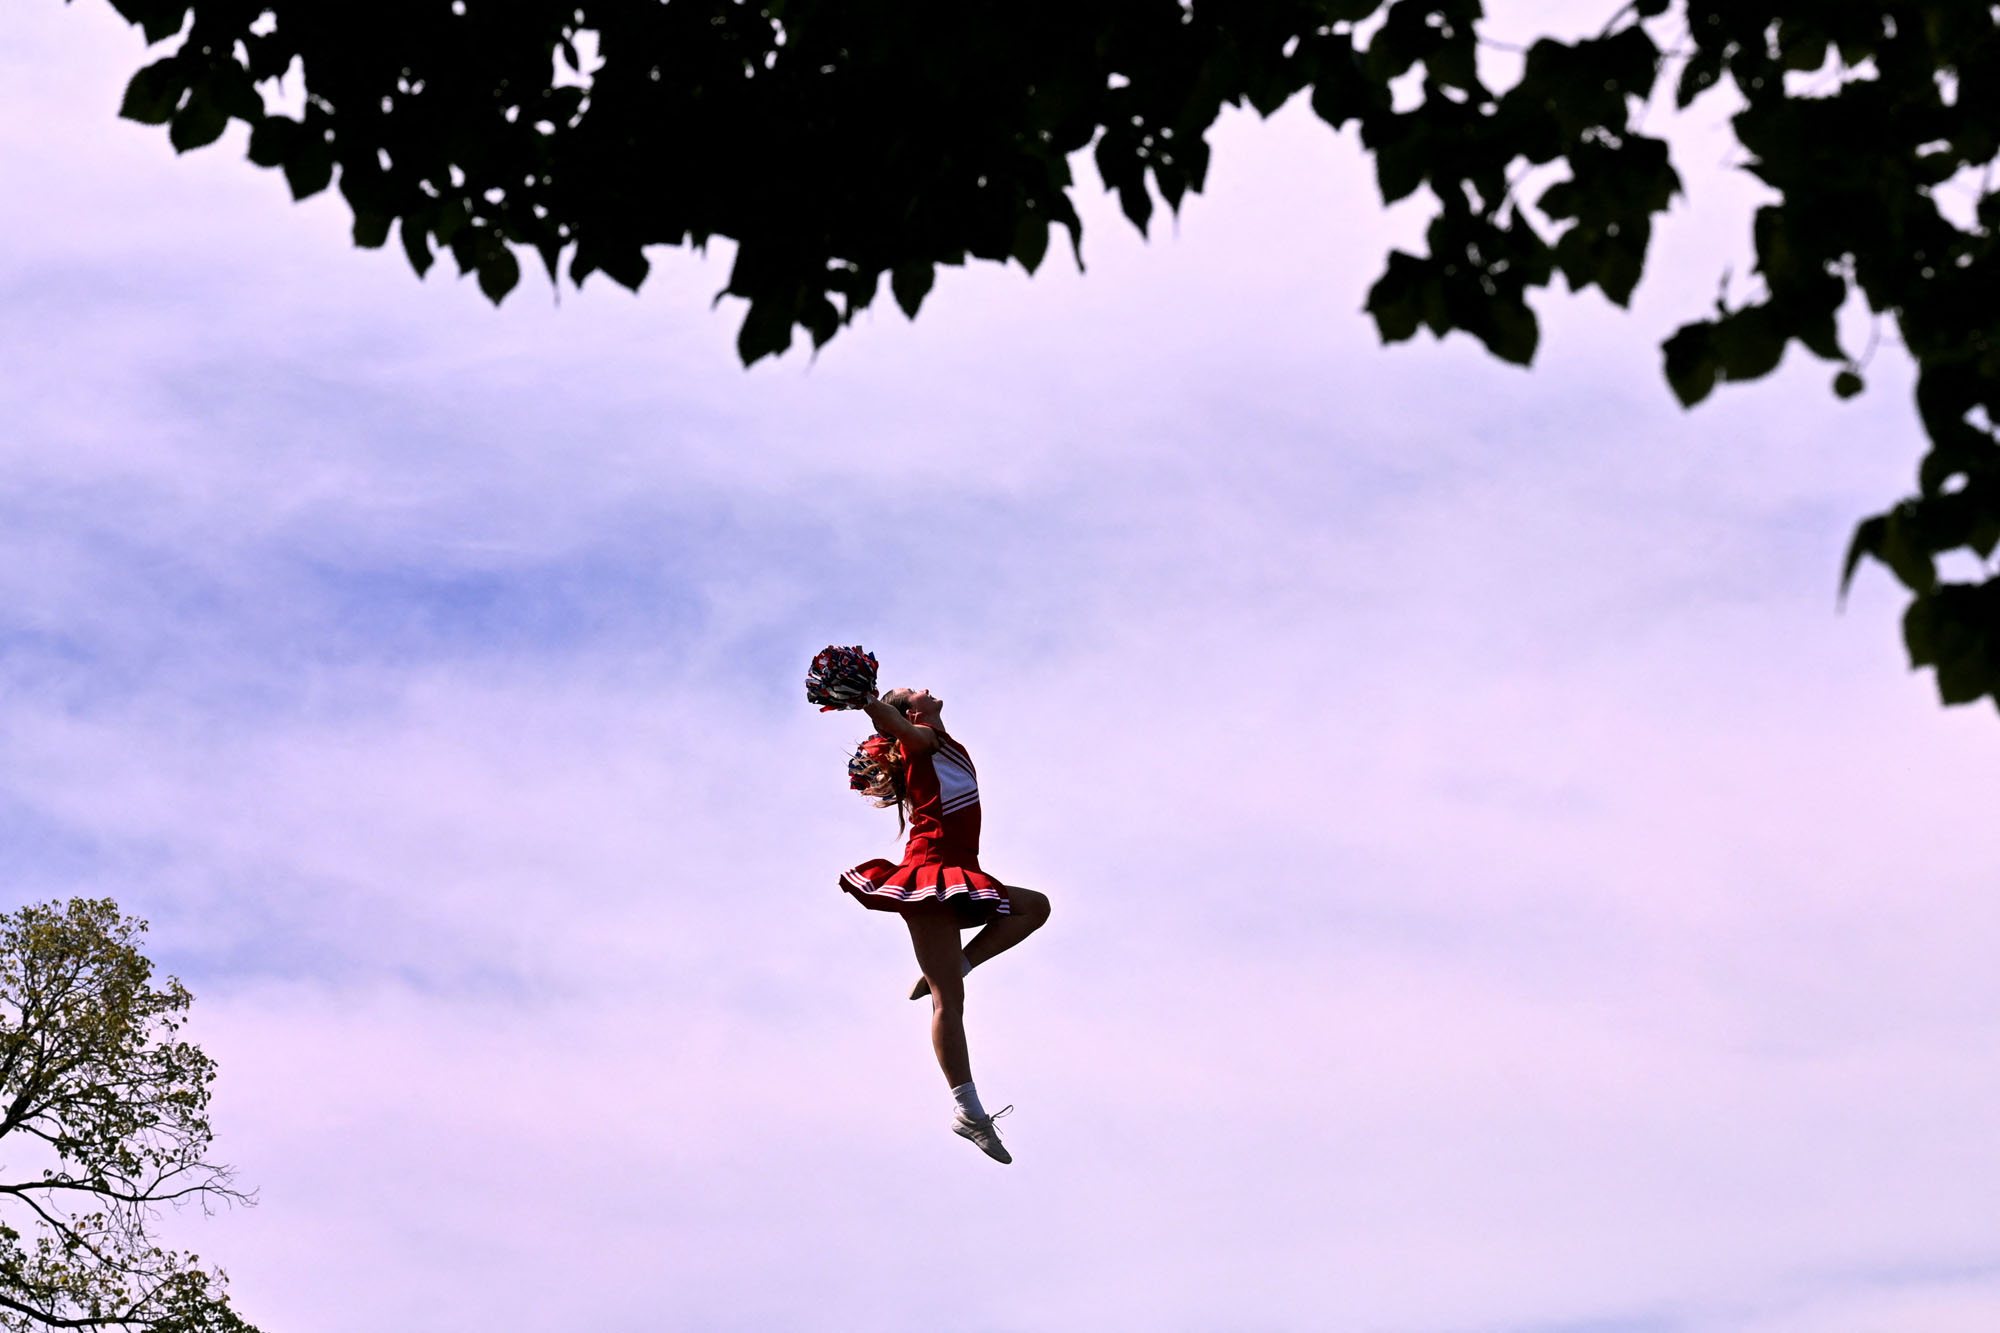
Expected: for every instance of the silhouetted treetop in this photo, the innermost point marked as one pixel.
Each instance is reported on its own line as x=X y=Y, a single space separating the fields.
x=839 y=143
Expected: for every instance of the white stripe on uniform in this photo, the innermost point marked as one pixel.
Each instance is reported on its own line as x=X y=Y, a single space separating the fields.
x=957 y=783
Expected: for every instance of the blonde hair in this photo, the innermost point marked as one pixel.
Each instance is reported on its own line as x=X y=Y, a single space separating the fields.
x=877 y=770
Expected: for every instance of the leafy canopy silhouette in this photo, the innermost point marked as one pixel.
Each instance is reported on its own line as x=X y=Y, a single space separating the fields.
x=838 y=141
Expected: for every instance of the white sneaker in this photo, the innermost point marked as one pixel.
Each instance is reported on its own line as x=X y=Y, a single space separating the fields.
x=983 y=1132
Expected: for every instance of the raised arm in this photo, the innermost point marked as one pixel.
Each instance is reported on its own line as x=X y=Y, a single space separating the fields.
x=891 y=722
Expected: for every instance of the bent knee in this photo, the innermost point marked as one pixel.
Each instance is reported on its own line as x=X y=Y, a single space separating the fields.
x=1029 y=905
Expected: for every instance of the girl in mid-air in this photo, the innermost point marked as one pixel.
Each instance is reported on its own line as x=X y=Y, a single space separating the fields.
x=938 y=889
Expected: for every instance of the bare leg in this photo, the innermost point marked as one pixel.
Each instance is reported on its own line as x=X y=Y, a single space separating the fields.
x=934 y=935
x=1027 y=913
x=1028 y=910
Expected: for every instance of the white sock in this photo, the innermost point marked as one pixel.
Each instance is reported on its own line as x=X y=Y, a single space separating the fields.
x=968 y=1101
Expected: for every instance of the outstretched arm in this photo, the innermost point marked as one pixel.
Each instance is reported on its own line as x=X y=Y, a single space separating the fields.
x=891 y=722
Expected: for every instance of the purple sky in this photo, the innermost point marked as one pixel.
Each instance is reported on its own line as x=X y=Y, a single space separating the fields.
x=1494 y=889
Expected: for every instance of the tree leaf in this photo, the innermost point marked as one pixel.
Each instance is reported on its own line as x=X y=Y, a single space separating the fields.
x=626 y=265
x=451 y=218
x=308 y=166
x=766 y=331
x=154 y=93
x=1867 y=541
x=1341 y=92
x=1031 y=239
x=197 y=124
x=371 y=230
x=1959 y=625
x=1700 y=74
x=272 y=140
x=1903 y=551
x=1397 y=298
x=417 y=245
x=157 y=19
x=910 y=284
x=1958 y=644
x=1920 y=631
x=499 y=271
x=1747 y=343
x=1511 y=332
x=1691 y=363
x=1402 y=162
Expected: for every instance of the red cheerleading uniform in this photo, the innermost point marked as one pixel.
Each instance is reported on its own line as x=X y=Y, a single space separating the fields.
x=941 y=860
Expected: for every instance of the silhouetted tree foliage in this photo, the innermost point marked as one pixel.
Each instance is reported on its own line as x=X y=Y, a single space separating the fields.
x=838 y=141
x=104 y=1118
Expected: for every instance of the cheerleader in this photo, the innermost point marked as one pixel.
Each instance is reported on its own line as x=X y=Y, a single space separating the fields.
x=938 y=889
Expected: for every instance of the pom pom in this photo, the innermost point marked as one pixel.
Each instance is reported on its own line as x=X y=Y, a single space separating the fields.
x=840 y=678
x=872 y=770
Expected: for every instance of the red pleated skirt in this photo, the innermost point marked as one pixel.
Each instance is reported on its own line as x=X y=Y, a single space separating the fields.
x=973 y=894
